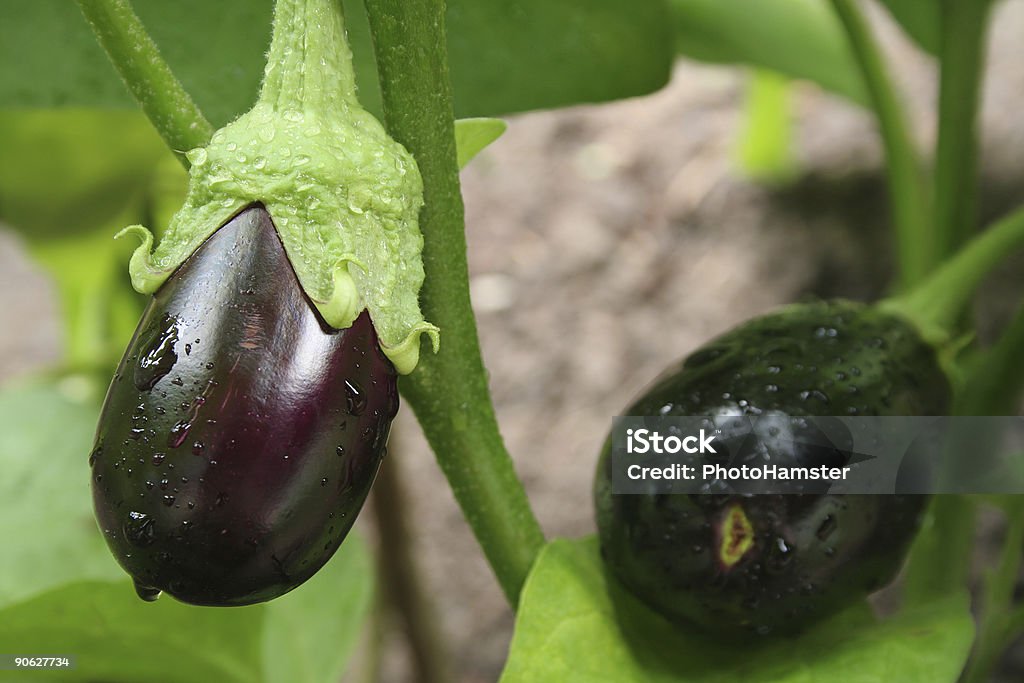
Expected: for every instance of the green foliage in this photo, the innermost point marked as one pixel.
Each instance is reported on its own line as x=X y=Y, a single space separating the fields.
x=798 y=38
x=504 y=57
x=70 y=179
x=60 y=588
x=575 y=624
x=473 y=135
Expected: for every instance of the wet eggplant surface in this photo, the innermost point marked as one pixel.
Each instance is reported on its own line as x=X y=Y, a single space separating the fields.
x=240 y=435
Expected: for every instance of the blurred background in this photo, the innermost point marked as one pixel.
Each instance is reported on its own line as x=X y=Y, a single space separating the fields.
x=605 y=241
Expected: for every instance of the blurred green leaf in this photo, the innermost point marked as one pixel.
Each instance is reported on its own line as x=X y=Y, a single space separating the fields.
x=72 y=171
x=116 y=637
x=766 y=145
x=569 y=611
x=504 y=57
x=61 y=592
x=798 y=38
x=473 y=135
x=46 y=520
x=70 y=180
x=920 y=19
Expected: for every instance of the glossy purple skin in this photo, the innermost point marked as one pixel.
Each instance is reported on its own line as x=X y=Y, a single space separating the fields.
x=241 y=434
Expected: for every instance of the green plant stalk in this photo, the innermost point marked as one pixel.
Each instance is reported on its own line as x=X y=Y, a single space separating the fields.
x=904 y=175
x=765 y=149
x=448 y=391
x=998 y=624
x=937 y=303
x=149 y=79
x=961 y=57
x=995 y=379
x=940 y=557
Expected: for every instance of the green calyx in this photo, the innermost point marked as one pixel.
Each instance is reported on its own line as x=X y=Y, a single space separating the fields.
x=344 y=197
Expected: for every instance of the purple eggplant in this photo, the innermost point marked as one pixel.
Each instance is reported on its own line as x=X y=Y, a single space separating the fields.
x=241 y=434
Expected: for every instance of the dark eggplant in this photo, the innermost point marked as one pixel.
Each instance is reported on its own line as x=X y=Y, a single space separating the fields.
x=775 y=563
x=241 y=434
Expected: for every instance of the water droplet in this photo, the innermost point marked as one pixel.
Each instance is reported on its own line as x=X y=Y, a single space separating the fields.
x=340 y=450
x=260 y=163
x=147 y=593
x=323 y=482
x=98 y=451
x=159 y=356
x=780 y=554
x=138 y=529
x=221 y=499
x=197 y=448
x=178 y=434
x=168 y=500
x=158 y=458
x=355 y=399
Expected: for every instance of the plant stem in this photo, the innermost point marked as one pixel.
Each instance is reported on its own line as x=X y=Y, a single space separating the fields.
x=998 y=624
x=765 y=148
x=401 y=580
x=961 y=57
x=149 y=79
x=448 y=391
x=940 y=557
x=907 y=187
x=995 y=380
x=937 y=303
x=316 y=72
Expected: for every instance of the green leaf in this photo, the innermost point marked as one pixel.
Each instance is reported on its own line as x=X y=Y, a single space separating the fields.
x=71 y=179
x=116 y=637
x=473 y=135
x=46 y=520
x=61 y=592
x=798 y=38
x=920 y=19
x=504 y=57
x=70 y=172
x=569 y=611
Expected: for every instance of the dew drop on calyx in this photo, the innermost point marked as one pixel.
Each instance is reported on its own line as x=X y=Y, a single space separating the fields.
x=147 y=593
x=158 y=356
